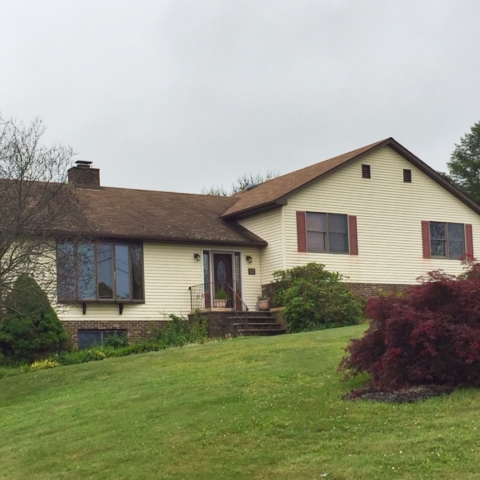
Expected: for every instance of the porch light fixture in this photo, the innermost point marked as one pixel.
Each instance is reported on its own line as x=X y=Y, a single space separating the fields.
x=248 y=258
x=196 y=256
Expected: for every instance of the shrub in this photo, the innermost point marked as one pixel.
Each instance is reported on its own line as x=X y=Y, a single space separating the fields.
x=116 y=341
x=428 y=335
x=315 y=298
x=30 y=329
x=176 y=333
x=180 y=331
x=44 y=364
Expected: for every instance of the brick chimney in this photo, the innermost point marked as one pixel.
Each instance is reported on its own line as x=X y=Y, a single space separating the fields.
x=83 y=176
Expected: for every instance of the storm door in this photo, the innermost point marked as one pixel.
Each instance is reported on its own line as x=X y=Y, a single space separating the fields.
x=222 y=276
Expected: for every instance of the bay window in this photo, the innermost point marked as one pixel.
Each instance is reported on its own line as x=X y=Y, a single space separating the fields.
x=100 y=272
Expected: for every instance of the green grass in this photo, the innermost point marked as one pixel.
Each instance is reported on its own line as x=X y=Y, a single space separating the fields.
x=249 y=408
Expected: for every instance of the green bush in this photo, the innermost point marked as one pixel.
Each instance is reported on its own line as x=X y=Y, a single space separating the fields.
x=180 y=331
x=315 y=298
x=116 y=341
x=30 y=329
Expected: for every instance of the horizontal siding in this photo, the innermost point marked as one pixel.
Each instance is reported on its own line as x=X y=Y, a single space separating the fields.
x=389 y=214
x=269 y=226
x=169 y=271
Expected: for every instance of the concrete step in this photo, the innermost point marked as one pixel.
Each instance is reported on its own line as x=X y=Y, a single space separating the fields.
x=252 y=326
x=261 y=332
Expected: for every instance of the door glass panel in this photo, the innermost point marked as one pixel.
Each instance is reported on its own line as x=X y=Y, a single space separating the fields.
x=122 y=272
x=221 y=272
x=105 y=271
x=237 y=272
x=206 y=276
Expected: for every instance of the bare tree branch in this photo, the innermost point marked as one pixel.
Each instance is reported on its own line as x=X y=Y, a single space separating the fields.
x=36 y=204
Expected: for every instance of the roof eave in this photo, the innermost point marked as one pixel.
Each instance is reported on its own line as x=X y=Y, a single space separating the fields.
x=161 y=238
x=389 y=142
x=254 y=210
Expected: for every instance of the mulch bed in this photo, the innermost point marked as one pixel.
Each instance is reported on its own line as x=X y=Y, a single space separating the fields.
x=407 y=395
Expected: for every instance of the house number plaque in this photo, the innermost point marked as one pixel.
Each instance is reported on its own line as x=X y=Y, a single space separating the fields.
x=251 y=271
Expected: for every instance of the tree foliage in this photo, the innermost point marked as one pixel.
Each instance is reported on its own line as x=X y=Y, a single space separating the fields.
x=30 y=329
x=35 y=204
x=464 y=164
x=315 y=298
x=428 y=335
x=243 y=182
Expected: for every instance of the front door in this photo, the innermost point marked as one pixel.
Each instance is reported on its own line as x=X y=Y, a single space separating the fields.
x=222 y=275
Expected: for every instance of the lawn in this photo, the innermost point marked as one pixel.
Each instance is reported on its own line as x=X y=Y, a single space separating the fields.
x=248 y=408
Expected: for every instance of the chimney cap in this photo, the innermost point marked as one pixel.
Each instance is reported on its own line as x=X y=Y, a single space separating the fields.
x=83 y=163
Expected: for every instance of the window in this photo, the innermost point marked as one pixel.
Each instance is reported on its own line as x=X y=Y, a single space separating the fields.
x=366 y=171
x=89 y=338
x=407 y=175
x=103 y=272
x=447 y=240
x=327 y=232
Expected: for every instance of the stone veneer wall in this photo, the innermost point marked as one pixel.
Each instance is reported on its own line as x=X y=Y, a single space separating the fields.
x=137 y=330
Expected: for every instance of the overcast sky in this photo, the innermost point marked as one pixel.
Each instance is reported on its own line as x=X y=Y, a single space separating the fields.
x=180 y=95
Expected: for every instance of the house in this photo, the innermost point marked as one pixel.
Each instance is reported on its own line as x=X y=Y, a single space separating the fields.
x=378 y=214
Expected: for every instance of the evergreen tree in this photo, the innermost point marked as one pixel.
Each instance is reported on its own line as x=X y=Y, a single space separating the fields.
x=30 y=329
x=464 y=164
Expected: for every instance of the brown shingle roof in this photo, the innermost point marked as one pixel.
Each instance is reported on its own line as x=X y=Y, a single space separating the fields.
x=163 y=216
x=274 y=192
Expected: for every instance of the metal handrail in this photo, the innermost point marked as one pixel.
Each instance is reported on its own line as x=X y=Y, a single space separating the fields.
x=243 y=320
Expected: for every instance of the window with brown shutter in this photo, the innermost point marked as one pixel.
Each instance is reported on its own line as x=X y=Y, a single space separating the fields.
x=447 y=240
x=326 y=233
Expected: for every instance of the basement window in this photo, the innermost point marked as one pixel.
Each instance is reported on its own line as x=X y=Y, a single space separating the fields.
x=90 y=338
x=366 y=171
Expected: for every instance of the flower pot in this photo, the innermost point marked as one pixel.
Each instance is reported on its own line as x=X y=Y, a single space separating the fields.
x=264 y=305
x=220 y=303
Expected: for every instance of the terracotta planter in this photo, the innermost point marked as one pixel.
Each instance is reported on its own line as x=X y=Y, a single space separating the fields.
x=264 y=305
x=220 y=303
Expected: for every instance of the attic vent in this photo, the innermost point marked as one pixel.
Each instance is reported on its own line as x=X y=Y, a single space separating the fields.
x=407 y=175
x=366 y=171
x=250 y=186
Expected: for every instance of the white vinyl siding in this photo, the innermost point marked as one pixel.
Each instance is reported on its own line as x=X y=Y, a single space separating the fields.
x=389 y=214
x=169 y=271
x=269 y=226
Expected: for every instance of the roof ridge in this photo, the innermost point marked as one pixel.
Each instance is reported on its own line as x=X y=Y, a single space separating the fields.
x=278 y=187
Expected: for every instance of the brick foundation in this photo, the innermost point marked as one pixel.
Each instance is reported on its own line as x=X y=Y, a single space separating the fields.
x=369 y=290
x=137 y=331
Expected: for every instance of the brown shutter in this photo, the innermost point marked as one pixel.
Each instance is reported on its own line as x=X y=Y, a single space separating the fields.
x=352 y=233
x=469 y=241
x=301 y=232
x=426 y=239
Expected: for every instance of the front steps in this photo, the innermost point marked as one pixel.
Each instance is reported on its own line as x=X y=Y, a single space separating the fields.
x=256 y=323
